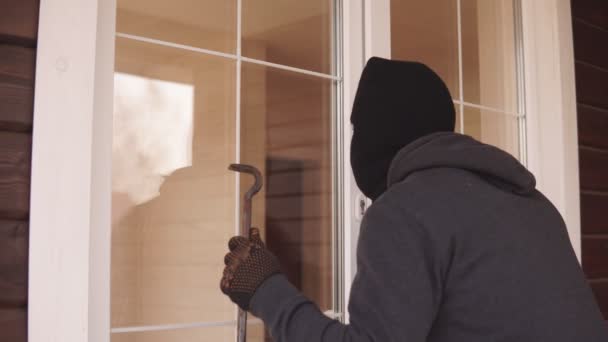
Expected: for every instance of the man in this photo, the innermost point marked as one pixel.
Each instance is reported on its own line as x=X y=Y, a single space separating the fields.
x=457 y=246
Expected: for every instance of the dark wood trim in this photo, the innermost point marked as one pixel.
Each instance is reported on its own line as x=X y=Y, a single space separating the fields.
x=594 y=207
x=594 y=12
x=17 y=73
x=591 y=85
x=590 y=33
x=595 y=254
x=588 y=46
x=13 y=263
x=593 y=169
x=592 y=127
x=13 y=325
x=18 y=40
x=15 y=169
x=19 y=22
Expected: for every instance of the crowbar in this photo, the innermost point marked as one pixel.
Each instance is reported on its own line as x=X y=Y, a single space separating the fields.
x=245 y=230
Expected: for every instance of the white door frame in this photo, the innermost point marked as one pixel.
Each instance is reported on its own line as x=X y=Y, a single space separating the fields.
x=550 y=95
x=69 y=265
x=354 y=57
x=69 y=255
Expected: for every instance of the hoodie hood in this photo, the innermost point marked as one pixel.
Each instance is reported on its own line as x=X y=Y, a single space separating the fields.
x=452 y=150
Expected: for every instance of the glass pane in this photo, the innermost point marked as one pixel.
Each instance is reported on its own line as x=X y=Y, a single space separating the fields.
x=290 y=32
x=215 y=334
x=208 y=24
x=488 y=52
x=286 y=132
x=427 y=32
x=173 y=199
x=498 y=129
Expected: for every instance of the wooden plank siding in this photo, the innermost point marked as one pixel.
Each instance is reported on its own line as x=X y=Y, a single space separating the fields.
x=17 y=66
x=590 y=31
x=19 y=22
x=587 y=48
x=592 y=127
x=595 y=256
x=593 y=213
x=18 y=40
x=593 y=169
x=600 y=289
x=591 y=85
x=593 y=12
x=15 y=166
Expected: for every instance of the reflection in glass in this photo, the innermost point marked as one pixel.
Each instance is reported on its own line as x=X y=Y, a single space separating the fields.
x=290 y=32
x=146 y=110
x=488 y=52
x=494 y=128
x=173 y=206
x=286 y=132
x=427 y=32
x=208 y=24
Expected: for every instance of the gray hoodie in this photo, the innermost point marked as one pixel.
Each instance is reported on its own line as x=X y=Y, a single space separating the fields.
x=460 y=248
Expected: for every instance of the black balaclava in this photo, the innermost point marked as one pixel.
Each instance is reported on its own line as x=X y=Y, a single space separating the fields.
x=396 y=103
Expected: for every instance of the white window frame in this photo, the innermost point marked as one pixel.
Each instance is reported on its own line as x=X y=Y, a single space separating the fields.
x=69 y=261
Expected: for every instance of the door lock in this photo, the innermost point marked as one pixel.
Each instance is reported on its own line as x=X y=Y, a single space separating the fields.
x=361 y=205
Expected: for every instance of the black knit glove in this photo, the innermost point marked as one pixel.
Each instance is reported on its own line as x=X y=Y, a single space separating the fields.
x=248 y=264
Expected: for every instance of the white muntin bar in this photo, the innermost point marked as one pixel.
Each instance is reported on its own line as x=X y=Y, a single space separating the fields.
x=227 y=55
x=237 y=157
x=460 y=68
x=239 y=28
x=179 y=326
x=175 y=45
x=288 y=68
x=237 y=189
x=491 y=109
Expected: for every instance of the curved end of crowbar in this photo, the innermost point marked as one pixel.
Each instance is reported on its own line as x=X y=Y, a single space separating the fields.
x=252 y=170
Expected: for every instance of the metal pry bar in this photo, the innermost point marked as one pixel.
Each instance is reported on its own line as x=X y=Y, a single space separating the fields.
x=245 y=229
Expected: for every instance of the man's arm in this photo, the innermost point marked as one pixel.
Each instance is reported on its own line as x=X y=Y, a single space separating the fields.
x=291 y=317
x=395 y=295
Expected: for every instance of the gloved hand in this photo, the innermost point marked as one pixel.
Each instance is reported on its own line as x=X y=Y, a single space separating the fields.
x=248 y=264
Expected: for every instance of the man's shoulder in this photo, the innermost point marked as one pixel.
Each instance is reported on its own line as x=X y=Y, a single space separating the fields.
x=394 y=210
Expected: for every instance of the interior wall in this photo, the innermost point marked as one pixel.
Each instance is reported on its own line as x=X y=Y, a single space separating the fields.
x=590 y=29
x=18 y=40
x=490 y=72
x=427 y=32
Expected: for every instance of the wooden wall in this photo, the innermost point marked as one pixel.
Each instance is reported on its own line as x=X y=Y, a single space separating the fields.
x=299 y=191
x=18 y=35
x=590 y=25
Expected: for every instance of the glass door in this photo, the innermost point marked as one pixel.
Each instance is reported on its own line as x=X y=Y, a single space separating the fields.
x=200 y=85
